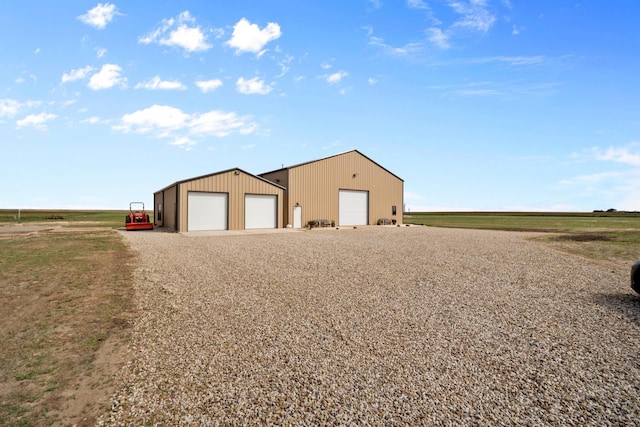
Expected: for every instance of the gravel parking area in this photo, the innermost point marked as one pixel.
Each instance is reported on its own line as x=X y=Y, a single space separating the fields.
x=377 y=326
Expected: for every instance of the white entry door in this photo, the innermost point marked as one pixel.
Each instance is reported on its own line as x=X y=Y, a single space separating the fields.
x=297 y=217
x=353 y=207
x=206 y=211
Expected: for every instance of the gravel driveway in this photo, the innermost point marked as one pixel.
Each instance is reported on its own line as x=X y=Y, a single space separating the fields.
x=377 y=326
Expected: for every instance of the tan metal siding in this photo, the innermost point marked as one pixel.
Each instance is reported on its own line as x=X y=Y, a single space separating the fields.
x=169 y=201
x=236 y=184
x=315 y=187
x=281 y=177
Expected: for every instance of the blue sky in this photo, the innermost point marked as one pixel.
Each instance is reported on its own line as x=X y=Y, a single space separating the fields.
x=476 y=104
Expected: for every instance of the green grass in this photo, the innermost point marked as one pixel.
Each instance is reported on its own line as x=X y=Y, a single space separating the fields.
x=104 y=218
x=608 y=236
x=517 y=221
x=62 y=295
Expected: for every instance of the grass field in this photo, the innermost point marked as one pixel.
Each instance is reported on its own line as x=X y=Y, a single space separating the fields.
x=523 y=221
x=106 y=218
x=66 y=305
x=600 y=236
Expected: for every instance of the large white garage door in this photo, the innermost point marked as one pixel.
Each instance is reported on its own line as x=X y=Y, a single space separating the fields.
x=260 y=211
x=353 y=207
x=207 y=211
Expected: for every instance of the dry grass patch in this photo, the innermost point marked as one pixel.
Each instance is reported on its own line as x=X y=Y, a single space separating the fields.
x=613 y=246
x=66 y=305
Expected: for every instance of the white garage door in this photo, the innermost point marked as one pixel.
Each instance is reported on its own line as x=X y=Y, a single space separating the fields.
x=207 y=211
x=260 y=211
x=354 y=207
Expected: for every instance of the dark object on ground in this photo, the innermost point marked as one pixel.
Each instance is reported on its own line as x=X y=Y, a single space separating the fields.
x=635 y=277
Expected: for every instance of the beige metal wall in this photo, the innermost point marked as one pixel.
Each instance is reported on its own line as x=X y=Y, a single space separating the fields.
x=158 y=213
x=281 y=177
x=236 y=186
x=315 y=186
x=168 y=198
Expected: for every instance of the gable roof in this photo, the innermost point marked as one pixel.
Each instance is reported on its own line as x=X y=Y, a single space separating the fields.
x=220 y=173
x=329 y=157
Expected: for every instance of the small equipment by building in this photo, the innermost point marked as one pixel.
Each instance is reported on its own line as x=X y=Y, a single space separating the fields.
x=137 y=219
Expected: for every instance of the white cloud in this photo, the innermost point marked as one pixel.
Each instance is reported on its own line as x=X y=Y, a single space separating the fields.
x=94 y=120
x=100 y=52
x=476 y=92
x=76 y=74
x=184 y=143
x=160 y=119
x=620 y=188
x=100 y=16
x=9 y=107
x=589 y=179
x=38 y=121
x=157 y=83
x=516 y=30
x=179 y=32
x=336 y=78
x=253 y=86
x=208 y=85
x=220 y=123
x=438 y=38
x=248 y=37
x=512 y=60
x=618 y=155
x=372 y=81
x=108 y=77
x=248 y=146
x=475 y=15
x=165 y=121
x=417 y=4
x=284 y=65
x=407 y=49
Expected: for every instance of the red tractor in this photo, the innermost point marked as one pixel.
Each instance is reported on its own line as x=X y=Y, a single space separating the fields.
x=138 y=219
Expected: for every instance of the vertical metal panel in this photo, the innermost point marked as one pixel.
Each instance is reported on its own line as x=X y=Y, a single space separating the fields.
x=169 y=208
x=236 y=183
x=281 y=177
x=316 y=187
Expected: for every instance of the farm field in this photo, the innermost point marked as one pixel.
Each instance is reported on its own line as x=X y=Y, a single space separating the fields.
x=67 y=218
x=67 y=298
x=529 y=221
x=599 y=236
x=66 y=304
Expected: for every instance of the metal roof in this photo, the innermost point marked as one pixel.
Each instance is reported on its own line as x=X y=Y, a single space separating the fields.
x=329 y=157
x=220 y=173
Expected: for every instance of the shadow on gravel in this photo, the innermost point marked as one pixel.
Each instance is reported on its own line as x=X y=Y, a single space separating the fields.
x=625 y=303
